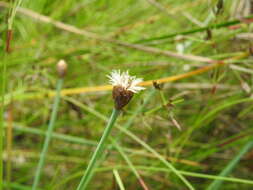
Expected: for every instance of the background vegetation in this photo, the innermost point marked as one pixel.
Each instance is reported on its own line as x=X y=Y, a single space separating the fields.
x=201 y=123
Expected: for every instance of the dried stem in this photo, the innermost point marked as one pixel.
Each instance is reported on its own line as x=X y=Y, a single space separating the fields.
x=8 y=41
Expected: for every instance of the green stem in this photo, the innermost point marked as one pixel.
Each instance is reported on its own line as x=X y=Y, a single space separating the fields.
x=124 y=131
x=3 y=87
x=186 y=173
x=200 y=29
x=118 y=179
x=160 y=157
x=98 y=152
x=215 y=185
x=48 y=135
x=130 y=164
x=158 y=169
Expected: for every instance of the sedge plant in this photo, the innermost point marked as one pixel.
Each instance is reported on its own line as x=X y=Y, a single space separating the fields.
x=61 y=68
x=11 y=16
x=124 y=87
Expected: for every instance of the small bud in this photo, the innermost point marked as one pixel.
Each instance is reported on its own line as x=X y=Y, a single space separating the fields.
x=157 y=86
x=62 y=68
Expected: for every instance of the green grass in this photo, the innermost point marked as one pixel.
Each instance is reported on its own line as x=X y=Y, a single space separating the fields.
x=49 y=134
x=214 y=148
x=98 y=153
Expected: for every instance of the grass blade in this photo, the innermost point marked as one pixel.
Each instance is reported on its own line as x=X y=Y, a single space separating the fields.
x=48 y=135
x=216 y=184
x=128 y=161
x=3 y=86
x=195 y=30
x=118 y=179
x=98 y=152
x=9 y=139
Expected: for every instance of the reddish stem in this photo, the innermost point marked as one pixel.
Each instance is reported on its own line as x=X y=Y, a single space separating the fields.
x=233 y=140
x=143 y=184
x=8 y=41
x=214 y=89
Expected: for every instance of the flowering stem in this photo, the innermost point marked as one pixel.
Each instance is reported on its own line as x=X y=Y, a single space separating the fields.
x=2 y=109
x=98 y=152
x=48 y=134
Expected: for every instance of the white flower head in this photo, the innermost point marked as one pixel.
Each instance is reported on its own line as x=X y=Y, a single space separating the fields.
x=124 y=87
x=126 y=81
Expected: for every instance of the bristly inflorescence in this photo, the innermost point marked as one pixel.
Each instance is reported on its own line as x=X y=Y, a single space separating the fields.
x=124 y=86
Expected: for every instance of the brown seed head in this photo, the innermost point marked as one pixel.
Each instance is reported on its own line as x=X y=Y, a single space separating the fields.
x=157 y=86
x=121 y=97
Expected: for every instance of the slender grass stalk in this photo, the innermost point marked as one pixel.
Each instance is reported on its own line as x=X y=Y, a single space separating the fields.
x=118 y=179
x=160 y=157
x=135 y=114
x=16 y=186
x=9 y=144
x=3 y=86
x=157 y=169
x=195 y=30
x=12 y=13
x=63 y=137
x=48 y=134
x=206 y=119
x=15 y=5
x=130 y=164
x=186 y=173
x=135 y=138
x=215 y=185
x=98 y=152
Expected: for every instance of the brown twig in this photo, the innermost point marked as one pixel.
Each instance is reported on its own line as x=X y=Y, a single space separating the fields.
x=8 y=41
x=229 y=141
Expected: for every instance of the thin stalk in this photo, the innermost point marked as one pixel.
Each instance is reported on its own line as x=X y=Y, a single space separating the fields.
x=63 y=137
x=206 y=118
x=195 y=30
x=11 y=16
x=130 y=164
x=17 y=186
x=98 y=152
x=3 y=86
x=118 y=179
x=159 y=156
x=135 y=138
x=2 y=109
x=15 y=5
x=9 y=144
x=159 y=169
x=186 y=173
x=48 y=134
x=215 y=185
